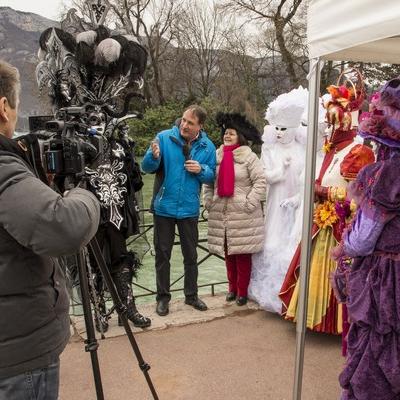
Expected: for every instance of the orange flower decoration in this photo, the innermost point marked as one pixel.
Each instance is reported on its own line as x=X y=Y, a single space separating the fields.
x=327 y=147
x=325 y=215
x=341 y=94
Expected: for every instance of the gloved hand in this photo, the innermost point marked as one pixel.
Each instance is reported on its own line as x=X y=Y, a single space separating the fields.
x=287 y=162
x=321 y=192
x=293 y=202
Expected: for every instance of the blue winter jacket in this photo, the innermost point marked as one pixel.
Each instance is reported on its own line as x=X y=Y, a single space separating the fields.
x=179 y=194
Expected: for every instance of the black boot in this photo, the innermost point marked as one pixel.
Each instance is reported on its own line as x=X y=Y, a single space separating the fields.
x=122 y=282
x=241 y=300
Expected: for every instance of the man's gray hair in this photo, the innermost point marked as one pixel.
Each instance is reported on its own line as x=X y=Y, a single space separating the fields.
x=9 y=83
x=198 y=112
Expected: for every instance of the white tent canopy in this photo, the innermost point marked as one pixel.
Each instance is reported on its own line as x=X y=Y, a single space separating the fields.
x=348 y=30
x=358 y=30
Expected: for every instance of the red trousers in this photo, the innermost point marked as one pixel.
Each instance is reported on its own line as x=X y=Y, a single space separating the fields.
x=238 y=270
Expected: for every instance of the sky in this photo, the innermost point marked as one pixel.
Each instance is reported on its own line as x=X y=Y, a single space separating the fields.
x=46 y=8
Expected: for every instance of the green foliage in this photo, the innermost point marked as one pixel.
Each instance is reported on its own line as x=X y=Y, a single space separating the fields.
x=155 y=119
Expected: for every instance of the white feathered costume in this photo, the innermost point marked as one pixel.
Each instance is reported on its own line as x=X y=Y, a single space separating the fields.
x=283 y=156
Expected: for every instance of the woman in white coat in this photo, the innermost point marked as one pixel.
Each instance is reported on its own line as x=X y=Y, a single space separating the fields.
x=235 y=219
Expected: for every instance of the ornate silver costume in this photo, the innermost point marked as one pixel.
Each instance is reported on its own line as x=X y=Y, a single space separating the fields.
x=83 y=64
x=108 y=182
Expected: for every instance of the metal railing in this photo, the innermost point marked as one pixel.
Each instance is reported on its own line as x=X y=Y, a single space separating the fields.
x=146 y=228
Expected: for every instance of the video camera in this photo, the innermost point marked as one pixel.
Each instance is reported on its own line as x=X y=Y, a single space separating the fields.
x=72 y=140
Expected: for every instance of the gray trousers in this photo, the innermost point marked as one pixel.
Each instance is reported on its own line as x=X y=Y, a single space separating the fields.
x=164 y=236
x=39 y=384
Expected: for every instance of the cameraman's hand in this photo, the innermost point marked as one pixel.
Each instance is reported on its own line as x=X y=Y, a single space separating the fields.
x=193 y=166
x=50 y=179
x=155 y=149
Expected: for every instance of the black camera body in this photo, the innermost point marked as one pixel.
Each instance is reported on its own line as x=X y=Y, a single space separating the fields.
x=64 y=157
x=72 y=143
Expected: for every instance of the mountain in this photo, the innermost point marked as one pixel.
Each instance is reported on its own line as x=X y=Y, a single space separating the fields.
x=19 y=43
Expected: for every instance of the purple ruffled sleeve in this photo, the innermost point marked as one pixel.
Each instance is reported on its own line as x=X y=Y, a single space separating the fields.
x=361 y=239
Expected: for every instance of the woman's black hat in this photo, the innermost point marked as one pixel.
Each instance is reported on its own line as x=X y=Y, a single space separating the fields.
x=240 y=124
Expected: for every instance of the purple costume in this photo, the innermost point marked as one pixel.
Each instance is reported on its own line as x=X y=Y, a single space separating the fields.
x=372 y=370
x=372 y=282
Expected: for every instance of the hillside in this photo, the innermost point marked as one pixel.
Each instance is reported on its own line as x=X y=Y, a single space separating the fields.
x=19 y=42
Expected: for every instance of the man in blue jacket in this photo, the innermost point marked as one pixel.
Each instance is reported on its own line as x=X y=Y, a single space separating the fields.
x=187 y=159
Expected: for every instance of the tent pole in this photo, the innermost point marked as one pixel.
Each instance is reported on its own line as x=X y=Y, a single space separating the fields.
x=312 y=134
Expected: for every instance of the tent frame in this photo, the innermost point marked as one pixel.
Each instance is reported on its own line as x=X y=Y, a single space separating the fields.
x=359 y=31
x=314 y=78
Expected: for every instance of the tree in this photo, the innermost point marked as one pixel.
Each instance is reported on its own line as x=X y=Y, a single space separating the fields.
x=241 y=64
x=201 y=34
x=151 y=21
x=289 y=31
x=374 y=74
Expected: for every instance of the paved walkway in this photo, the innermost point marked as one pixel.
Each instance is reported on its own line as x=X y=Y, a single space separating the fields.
x=228 y=352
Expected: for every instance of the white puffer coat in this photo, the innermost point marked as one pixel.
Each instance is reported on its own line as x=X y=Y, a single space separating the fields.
x=238 y=218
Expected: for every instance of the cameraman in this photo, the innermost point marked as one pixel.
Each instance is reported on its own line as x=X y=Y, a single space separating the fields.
x=36 y=224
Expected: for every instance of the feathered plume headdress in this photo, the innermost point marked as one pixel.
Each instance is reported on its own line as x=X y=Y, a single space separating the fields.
x=345 y=98
x=86 y=63
x=287 y=109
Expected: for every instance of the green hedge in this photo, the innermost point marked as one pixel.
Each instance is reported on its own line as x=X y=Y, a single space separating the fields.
x=156 y=119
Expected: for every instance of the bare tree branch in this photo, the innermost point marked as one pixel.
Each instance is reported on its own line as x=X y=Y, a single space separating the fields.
x=202 y=30
x=276 y=14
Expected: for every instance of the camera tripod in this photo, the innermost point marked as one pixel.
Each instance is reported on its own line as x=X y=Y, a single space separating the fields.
x=91 y=341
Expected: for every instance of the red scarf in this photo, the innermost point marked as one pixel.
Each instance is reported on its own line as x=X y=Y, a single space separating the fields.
x=226 y=177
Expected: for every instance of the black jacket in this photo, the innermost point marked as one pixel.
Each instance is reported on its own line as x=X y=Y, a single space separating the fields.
x=36 y=225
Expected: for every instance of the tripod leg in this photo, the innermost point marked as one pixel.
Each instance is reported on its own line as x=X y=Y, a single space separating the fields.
x=96 y=290
x=121 y=309
x=91 y=341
